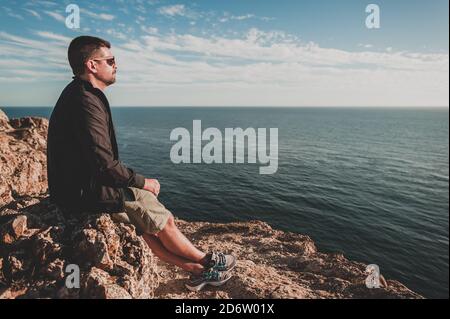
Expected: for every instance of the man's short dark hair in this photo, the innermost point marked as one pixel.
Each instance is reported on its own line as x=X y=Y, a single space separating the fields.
x=81 y=49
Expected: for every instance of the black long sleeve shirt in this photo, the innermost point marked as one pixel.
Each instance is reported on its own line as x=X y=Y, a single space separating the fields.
x=83 y=166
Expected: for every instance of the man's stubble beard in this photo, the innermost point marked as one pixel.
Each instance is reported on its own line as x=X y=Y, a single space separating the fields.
x=112 y=80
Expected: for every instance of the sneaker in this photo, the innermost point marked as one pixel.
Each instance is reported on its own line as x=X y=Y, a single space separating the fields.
x=221 y=262
x=209 y=277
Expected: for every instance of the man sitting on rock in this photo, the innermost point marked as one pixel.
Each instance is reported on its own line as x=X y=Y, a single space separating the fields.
x=85 y=174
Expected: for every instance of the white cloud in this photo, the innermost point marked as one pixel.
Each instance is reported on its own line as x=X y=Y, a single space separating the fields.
x=266 y=68
x=15 y=15
x=44 y=3
x=243 y=17
x=100 y=16
x=55 y=15
x=37 y=54
x=18 y=41
x=11 y=13
x=116 y=34
x=178 y=9
x=259 y=68
x=150 y=30
x=227 y=17
x=366 y=46
x=34 y=13
x=277 y=47
x=53 y=36
x=16 y=62
x=38 y=74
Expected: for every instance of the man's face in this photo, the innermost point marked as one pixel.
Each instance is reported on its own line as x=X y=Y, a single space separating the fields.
x=104 y=66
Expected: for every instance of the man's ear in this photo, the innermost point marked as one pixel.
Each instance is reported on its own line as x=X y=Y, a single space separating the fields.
x=91 y=66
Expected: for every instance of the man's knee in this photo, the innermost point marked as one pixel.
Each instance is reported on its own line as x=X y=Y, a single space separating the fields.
x=170 y=224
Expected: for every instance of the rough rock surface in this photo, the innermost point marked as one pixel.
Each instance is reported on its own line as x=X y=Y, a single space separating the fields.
x=38 y=244
x=22 y=157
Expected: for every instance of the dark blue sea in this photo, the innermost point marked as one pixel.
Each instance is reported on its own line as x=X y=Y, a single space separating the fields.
x=371 y=183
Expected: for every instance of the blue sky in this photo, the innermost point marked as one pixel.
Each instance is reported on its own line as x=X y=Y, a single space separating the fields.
x=235 y=52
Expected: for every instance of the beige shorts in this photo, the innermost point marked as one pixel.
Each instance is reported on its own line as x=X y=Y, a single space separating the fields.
x=143 y=210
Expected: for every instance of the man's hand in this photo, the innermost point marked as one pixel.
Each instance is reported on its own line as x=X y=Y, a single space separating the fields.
x=152 y=185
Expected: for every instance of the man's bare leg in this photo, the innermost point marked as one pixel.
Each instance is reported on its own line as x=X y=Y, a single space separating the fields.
x=175 y=242
x=162 y=253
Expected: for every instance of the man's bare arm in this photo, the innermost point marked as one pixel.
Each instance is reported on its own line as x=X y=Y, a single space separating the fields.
x=152 y=185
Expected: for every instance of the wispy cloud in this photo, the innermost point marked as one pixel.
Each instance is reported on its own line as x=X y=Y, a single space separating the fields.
x=149 y=30
x=187 y=60
x=34 y=13
x=42 y=60
x=53 y=36
x=228 y=17
x=277 y=47
x=15 y=15
x=174 y=10
x=44 y=3
x=100 y=16
x=251 y=65
x=179 y=10
x=55 y=15
x=243 y=17
x=266 y=61
x=116 y=34
x=365 y=45
x=11 y=13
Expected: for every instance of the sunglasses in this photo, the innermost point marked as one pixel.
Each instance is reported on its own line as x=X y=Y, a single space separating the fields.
x=110 y=61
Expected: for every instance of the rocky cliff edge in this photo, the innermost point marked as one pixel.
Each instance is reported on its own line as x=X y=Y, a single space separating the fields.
x=38 y=243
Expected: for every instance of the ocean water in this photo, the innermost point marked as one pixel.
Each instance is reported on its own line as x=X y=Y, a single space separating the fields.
x=371 y=183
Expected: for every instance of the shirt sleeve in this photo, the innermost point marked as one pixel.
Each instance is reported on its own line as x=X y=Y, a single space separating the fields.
x=92 y=129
